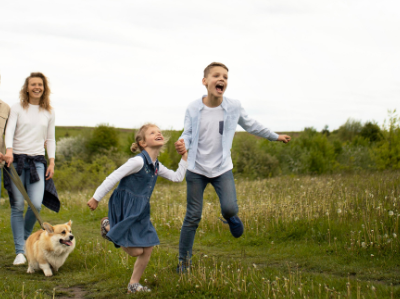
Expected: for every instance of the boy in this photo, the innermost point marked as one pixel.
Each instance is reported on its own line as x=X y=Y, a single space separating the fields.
x=210 y=124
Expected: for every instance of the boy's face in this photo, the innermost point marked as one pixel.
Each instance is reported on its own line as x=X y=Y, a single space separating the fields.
x=216 y=81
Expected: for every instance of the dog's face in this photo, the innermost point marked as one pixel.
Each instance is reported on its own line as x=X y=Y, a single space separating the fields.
x=60 y=235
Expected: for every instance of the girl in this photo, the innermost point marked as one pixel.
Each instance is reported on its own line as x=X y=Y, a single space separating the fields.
x=128 y=223
x=29 y=127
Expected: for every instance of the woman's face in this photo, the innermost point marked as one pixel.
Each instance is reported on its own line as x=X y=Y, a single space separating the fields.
x=35 y=88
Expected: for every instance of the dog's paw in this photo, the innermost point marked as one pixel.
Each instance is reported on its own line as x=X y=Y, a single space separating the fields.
x=48 y=273
x=30 y=270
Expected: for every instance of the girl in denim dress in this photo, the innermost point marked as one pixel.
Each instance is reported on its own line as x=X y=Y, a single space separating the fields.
x=128 y=223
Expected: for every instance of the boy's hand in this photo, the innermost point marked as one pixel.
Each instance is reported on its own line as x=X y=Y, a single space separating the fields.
x=180 y=146
x=283 y=138
x=92 y=204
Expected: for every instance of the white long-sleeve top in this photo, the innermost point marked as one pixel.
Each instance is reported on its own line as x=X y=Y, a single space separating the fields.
x=28 y=130
x=134 y=165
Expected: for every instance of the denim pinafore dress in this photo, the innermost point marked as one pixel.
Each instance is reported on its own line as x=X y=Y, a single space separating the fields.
x=129 y=208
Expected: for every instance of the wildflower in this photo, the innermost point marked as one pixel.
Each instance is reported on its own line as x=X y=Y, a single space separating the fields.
x=372 y=255
x=254 y=265
x=339 y=211
x=109 y=251
x=197 y=286
x=364 y=245
x=205 y=255
x=372 y=288
x=391 y=213
x=394 y=235
x=272 y=242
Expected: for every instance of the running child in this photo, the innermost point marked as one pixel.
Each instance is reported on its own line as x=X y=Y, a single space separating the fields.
x=128 y=223
x=210 y=124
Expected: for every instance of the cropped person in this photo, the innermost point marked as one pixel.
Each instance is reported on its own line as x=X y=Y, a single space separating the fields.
x=4 y=114
x=210 y=124
x=30 y=126
x=128 y=223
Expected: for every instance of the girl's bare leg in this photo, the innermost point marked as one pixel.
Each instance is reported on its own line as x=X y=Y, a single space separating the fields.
x=143 y=257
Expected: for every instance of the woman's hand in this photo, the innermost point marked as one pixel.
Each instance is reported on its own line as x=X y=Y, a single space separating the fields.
x=50 y=169
x=9 y=157
x=92 y=204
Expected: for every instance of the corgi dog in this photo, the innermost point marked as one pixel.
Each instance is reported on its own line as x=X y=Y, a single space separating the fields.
x=49 y=248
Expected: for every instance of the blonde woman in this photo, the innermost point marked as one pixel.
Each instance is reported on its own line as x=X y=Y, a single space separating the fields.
x=30 y=126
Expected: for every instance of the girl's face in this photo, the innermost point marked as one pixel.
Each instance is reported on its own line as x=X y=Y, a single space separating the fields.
x=153 y=138
x=35 y=88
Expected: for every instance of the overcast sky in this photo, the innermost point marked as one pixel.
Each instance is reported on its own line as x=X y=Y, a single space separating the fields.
x=292 y=64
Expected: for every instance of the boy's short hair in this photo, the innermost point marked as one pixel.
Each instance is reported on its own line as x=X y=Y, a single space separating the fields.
x=211 y=65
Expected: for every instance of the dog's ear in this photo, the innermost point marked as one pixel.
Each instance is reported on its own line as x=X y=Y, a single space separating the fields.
x=48 y=227
x=69 y=223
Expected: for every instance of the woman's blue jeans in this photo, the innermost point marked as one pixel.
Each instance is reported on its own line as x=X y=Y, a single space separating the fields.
x=22 y=228
x=224 y=185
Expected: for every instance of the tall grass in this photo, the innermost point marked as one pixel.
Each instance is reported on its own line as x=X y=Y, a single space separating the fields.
x=329 y=236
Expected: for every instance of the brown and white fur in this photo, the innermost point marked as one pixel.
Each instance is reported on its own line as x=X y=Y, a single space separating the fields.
x=48 y=249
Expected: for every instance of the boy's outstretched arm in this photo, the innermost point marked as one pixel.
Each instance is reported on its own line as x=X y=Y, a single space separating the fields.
x=284 y=138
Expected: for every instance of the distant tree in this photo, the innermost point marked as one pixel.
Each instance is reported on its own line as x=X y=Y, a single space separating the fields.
x=325 y=130
x=371 y=131
x=349 y=130
x=104 y=138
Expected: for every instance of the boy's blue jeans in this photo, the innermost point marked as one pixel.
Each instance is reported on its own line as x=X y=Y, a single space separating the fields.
x=22 y=228
x=224 y=185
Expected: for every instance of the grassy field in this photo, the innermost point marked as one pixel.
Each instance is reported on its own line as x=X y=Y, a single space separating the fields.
x=331 y=236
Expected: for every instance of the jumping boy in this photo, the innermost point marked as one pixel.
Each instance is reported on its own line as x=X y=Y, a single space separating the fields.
x=210 y=124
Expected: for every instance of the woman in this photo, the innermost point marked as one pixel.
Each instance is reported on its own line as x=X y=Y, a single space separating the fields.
x=30 y=126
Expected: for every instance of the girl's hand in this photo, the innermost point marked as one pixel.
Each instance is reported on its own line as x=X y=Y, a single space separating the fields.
x=9 y=157
x=50 y=171
x=283 y=138
x=92 y=204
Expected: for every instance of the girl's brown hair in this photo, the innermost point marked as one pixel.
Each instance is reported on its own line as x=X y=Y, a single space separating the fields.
x=140 y=136
x=44 y=100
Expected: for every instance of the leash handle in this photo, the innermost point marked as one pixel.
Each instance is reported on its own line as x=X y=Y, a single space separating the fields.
x=18 y=183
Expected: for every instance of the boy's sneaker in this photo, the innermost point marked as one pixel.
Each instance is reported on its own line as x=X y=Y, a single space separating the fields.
x=182 y=268
x=235 y=226
x=137 y=287
x=19 y=259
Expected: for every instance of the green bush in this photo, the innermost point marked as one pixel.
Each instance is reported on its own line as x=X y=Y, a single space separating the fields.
x=103 y=138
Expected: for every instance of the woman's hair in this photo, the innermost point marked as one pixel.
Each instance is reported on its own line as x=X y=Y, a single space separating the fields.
x=140 y=136
x=44 y=100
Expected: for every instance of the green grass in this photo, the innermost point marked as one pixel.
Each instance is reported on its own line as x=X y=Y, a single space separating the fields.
x=306 y=237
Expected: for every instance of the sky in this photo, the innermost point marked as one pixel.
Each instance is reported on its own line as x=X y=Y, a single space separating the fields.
x=292 y=64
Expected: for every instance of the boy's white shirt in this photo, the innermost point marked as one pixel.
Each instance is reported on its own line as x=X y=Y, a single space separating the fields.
x=134 y=165
x=234 y=115
x=209 y=150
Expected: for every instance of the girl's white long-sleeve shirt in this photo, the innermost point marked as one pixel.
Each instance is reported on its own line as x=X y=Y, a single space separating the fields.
x=134 y=165
x=28 y=130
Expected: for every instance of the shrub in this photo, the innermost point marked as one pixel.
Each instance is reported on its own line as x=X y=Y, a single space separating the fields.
x=104 y=138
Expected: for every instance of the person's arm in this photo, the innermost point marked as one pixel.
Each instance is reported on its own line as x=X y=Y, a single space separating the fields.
x=186 y=135
x=174 y=176
x=9 y=138
x=50 y=143
x=133 y=165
